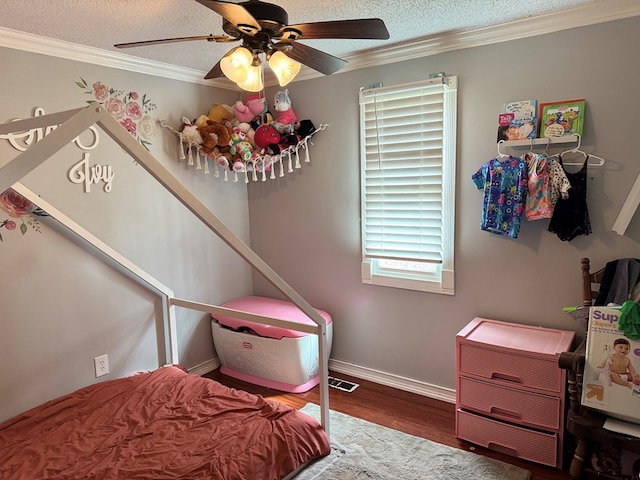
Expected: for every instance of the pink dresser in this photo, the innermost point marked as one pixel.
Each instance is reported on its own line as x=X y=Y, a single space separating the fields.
x=510 y=392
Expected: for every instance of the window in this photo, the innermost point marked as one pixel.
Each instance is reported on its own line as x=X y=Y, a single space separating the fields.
x=408 y=156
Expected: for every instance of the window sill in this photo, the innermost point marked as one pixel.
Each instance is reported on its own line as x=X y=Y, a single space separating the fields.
x=409 y=284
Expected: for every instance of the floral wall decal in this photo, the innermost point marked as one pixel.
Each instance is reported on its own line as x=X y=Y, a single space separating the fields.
x=127 y=107
x=20 y=208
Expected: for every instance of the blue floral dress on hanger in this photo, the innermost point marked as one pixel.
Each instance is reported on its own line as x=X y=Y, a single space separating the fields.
x=505 y=192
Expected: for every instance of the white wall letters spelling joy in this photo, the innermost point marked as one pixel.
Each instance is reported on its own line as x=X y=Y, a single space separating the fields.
x=81 y=172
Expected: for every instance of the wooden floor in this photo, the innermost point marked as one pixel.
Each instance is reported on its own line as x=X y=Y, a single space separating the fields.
x=411 y=413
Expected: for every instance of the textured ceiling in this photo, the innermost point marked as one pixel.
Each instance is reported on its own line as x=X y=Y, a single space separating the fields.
x=101 y=23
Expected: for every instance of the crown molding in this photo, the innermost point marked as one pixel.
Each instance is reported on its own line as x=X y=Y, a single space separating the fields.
x=597 y=12
x=72 y=51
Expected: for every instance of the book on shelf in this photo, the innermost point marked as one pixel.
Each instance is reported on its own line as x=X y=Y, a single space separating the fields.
x=518 y=121
x=558 y=119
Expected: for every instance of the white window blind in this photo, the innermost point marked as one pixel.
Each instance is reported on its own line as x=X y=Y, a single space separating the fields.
x=404 y=142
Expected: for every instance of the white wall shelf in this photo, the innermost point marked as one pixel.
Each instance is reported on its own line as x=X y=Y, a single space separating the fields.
x=541 y=141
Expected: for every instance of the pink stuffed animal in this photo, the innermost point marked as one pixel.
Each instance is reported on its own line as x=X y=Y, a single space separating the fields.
x=253 y=106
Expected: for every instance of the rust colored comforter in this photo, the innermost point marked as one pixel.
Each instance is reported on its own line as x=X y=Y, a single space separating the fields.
x=165 y=424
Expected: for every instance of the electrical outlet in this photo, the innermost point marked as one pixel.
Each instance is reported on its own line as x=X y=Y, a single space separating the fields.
x=101 y=365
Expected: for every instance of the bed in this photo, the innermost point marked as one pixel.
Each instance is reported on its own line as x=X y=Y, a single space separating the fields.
x=166 y=423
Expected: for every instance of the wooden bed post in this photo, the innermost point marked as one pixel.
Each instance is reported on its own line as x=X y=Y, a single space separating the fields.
x=73 y=123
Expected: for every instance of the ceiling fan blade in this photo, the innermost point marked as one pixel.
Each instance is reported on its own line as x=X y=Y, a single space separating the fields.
x=231 y=12
x=319 y=61
x=366 y=28
x=211 y=38
x=215 y=72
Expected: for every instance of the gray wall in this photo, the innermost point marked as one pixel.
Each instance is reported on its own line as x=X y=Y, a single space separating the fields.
x=61 y=306
x=307 y=226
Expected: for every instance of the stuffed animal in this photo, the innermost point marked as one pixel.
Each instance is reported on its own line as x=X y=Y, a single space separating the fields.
x=253 y=106
x=290 y=140
x=201 y=121
x=285 y=116
x=257 y=103
x=214 y=135
x=248 y=131
x=240 y=147
x=304 y=128
x=242 y=112
x=189 y=133
x=220 y=113
x=266 y=135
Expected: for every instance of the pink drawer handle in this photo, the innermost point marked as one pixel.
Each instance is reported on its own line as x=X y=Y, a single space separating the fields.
x=506 y=413
x=502 y=449
x=508 y=378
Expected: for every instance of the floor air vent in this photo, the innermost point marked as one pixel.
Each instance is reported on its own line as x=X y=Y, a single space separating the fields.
x=342 y=384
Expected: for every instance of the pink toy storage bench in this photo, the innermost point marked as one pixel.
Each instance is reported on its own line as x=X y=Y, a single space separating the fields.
x=274 y=357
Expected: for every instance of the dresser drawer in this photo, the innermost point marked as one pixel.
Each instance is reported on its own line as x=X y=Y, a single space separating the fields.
x=505 y=403
x=509 y=439
x=511 y=368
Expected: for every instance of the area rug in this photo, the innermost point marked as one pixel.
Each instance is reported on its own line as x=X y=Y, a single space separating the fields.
x=363 y=450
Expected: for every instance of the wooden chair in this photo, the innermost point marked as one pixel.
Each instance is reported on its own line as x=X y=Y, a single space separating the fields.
x=590 y=282
x=585 y=424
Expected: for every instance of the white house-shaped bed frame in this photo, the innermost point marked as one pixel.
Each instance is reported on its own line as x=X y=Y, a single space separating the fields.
x=71 y=124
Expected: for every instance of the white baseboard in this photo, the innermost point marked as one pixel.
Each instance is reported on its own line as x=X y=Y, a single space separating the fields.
x=395 y=381
x=205 y=367
x=376 y=376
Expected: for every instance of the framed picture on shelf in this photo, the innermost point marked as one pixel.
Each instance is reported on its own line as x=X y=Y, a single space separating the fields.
x=558 y=119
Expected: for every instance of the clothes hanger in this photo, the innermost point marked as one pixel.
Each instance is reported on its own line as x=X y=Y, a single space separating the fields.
x=600 y=161
x=530 y=155
x=546 y=147
x=500 y=154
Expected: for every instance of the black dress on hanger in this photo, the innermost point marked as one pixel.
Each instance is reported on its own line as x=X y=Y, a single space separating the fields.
x=570 y=215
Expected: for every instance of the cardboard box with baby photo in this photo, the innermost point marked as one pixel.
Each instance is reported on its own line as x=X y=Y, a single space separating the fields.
x=611 y=382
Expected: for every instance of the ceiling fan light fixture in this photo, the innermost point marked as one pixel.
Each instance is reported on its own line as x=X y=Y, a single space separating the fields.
x=236 y=64
x=263 y=28
x=284 y=67
x=253 y=81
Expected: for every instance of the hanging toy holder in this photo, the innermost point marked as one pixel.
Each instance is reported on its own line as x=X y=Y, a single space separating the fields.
x=255 y=167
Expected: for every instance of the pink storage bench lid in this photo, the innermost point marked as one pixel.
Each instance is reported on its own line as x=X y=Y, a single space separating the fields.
x=272 y=308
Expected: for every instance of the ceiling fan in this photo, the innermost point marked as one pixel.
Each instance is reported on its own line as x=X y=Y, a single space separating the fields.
x=264 y=28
